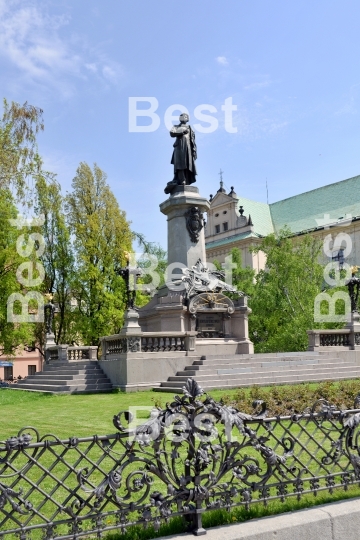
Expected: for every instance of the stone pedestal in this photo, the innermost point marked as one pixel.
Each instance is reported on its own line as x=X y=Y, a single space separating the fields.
x=181 y=249
x=354 y=326
x=131 y=322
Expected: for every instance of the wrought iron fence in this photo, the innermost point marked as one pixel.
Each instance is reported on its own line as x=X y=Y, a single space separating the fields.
x=193 y=456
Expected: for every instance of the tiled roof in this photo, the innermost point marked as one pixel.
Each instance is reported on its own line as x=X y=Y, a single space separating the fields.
x=300 y=212
x=260 y=215
x=230 y=239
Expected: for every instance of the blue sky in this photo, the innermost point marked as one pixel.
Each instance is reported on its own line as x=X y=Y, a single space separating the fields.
x=291 y=68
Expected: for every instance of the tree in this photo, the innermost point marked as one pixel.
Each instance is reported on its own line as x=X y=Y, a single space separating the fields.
x=20 y=161
x=102 y=235
x=57 y=259
x=284 y=293
x=153 y=256
x=12 y=334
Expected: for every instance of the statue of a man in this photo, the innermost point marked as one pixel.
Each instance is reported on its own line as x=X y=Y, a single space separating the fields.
x=353 y=286
x=184 y=154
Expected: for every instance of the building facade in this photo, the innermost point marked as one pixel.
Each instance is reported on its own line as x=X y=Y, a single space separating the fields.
x=24 y=363
x=234 y=221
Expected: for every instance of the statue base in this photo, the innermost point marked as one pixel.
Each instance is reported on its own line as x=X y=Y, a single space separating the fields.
x=49 y=340
x=131 y=322
x=183 y=251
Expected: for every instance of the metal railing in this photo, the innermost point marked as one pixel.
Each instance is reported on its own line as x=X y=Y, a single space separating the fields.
x=195 y=455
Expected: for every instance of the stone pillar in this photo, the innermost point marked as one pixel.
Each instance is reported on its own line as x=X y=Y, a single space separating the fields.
x=181 y=249
x=131 y=322
x=354 y=326
x=240 y=325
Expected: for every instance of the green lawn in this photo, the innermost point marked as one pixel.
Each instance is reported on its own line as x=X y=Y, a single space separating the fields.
x=73 y=415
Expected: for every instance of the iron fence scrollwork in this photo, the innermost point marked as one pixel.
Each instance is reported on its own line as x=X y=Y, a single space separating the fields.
x=195 y=455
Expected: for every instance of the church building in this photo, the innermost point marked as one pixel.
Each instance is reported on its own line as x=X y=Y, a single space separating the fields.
x=234 y=221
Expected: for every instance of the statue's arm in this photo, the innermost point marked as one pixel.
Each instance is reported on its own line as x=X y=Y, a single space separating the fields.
x=177 y=131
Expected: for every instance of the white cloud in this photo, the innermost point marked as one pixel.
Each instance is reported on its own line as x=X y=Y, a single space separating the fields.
x=91 y=67
x=222 y=60
x=36 y=44
x=257 y=85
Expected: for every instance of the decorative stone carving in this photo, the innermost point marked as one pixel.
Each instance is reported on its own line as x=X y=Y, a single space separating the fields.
x=200 y=279
x=194 y=223
x=211 y=301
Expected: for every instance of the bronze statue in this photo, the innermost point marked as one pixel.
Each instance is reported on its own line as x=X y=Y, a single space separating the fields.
x=49 y=310
x=129 y=274
x=184 y=154
x=353 y=286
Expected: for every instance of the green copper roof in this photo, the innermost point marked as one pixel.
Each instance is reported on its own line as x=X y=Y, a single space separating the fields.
x=300 y=212
x=260 y=215
x=230 y=239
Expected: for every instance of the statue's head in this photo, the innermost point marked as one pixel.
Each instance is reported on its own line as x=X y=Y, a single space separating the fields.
x=184 y=117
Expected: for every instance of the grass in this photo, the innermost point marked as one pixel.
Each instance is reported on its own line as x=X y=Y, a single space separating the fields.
x=73 y=415
x=84 y=415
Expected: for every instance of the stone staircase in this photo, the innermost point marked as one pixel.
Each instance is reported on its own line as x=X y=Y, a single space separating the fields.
x=67 y=378
x=235 y=371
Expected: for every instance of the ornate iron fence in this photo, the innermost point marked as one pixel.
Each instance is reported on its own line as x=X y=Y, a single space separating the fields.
x=193 y=456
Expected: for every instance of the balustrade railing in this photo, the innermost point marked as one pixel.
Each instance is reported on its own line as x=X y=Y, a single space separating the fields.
x=151 y=344
x=344 y=338
x=66 y=353
x=195 y=455
x=148 y=342
x=334 y=340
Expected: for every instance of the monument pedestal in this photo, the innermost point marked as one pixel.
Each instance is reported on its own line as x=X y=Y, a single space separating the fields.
x=182 y=247
x=168 y=311
x=186 y=245
x=178 y=322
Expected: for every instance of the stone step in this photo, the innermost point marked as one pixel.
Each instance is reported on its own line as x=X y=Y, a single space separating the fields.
x=251 y=368
x=81 y=377
x=72 y=372
x=221 y=374
x=45 y=379
x=64 y=388
x=221 y=385
x=71 y=367
x=270 y=360
x=265 y=378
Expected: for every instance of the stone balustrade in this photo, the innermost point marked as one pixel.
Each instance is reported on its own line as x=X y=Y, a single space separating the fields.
x=346 y=338
x=148 y=342
x=67 y=353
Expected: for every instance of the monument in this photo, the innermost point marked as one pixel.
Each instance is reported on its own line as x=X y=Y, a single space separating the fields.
x=191 y=315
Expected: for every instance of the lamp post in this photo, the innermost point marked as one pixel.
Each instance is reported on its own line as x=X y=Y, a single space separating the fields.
x=130 y=274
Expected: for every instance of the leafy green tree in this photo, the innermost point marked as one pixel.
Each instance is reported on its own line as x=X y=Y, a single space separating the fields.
x=57 y=259
x=153 y=255
x=283 y=299
x=102 y=235
x=12 y=334
x=243 y=278
x=20 y=162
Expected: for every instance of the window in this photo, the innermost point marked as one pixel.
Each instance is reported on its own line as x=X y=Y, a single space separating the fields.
x=216 y=215
x=225 y=212
x=217 y=229
x=8 y=373
x=339 y=256
x=225 y=226
x=31 y=370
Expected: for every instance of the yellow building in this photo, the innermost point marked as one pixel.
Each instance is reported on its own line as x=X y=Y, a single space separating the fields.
x=234 y=221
